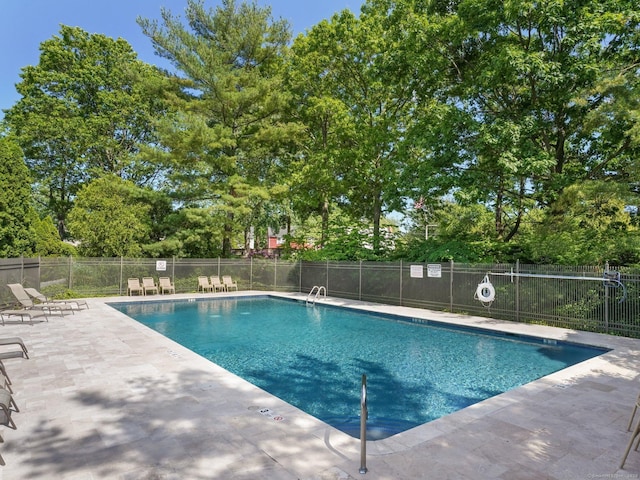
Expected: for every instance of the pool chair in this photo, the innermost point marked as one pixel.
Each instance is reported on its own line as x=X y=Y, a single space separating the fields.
x=218 y=285
x=7 y=405
x=22 y=313
x=204 y=285
x=165 y=285
x=14 y=341
x=635 y=435
x=228 y=283
x=35 y=294
x=134 y=286
x=5 y=382
x=149 y=285
x=25 y=300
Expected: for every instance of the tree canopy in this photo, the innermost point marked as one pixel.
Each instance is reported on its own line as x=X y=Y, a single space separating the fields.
x=17 y=216
x=229 y=135
x=509 y=128
x=85 y=111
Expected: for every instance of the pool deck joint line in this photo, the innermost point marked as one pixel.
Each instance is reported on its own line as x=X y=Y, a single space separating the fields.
x=103 y=396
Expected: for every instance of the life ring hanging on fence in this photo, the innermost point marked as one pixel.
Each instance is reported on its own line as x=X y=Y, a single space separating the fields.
x=485 y=291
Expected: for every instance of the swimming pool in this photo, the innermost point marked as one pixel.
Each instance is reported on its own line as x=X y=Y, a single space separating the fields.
x=313 y=357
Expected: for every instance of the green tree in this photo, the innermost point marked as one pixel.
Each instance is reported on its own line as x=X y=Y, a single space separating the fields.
x=109 y=220
x=511 y=123
x=48 y=242
x=17 y=233
x=315 y=173
x=588 y=224
x=357 y=111
x=85 y=110
x=227 y=143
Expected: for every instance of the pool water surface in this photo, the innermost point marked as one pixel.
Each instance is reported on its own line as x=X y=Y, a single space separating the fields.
x=313 y=357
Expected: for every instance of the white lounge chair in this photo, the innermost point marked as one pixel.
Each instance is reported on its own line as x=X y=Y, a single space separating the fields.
x=166 y=286
x=204 y=285
x=228 y=283
x=15 y=341
x=217 y=284
x=33 y=293
x=22 y=313
x=25 y=300
x=134 y=286
x=149 y=285
x=634 y=435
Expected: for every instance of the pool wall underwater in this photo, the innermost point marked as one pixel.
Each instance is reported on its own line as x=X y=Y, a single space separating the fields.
x=409 y=383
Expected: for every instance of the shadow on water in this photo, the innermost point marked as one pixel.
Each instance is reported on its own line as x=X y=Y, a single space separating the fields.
x=331 y=392
x=569 y=355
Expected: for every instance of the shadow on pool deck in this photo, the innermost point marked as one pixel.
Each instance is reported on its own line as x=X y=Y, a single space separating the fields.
x=105 y=397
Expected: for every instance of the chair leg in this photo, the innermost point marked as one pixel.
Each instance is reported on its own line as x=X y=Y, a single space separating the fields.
x=6 y=384
x=633 y=414
x=636 y=433
x=4 y=372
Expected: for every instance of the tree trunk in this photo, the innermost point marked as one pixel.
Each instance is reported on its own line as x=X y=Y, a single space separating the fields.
x=377 y=214
x=325 y=222
x=226 y=238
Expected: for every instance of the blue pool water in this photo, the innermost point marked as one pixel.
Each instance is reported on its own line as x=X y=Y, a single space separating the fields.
x=314 y=357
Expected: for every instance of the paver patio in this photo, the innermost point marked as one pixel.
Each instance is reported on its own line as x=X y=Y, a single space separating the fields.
x=104 y=397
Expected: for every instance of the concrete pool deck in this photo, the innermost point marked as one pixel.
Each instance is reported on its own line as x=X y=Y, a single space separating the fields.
x=103 y=396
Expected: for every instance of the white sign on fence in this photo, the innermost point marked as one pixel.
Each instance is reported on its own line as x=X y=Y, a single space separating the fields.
x=417 y=271
x=161 y=265
x=434 y=270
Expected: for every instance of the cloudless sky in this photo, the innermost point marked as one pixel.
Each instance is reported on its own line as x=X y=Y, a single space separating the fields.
x=24 y=24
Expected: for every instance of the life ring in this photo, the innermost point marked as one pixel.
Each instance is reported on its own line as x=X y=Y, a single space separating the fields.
x=485 y=291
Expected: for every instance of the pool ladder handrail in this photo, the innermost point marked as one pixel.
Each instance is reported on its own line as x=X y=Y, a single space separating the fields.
x=317 y=289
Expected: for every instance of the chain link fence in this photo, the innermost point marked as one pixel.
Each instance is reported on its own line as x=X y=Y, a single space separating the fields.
x=598 y=299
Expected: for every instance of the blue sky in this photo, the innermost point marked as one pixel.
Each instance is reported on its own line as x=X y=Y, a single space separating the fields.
x=24 y=24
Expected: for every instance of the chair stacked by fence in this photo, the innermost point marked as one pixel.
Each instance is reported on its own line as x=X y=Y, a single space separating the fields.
x=229 y=283
x=165 y=285
x=217 y=284
x=134 y=287
x=149 y=285
x=204 y=285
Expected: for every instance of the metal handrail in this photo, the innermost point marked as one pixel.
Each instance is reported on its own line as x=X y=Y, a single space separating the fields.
x=364 y=413
x=315 y=287
x=318 y=289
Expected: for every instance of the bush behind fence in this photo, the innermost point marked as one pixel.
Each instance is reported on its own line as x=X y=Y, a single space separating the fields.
x=571 y=297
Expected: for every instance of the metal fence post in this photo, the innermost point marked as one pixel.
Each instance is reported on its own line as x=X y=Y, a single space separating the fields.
x=121 y=277
x=451 y=286
x=606 y=297
x=327 y=277
x=250 y=273
x=275 y=274
x=359 y=279
x=400 y=282
x=517 y=290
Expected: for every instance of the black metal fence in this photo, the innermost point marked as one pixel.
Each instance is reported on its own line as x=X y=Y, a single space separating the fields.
x=599 y=299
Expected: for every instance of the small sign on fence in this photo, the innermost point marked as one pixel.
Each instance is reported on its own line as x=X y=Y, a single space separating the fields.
x=417 y=271
x=434 y=270
x=161 y=265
